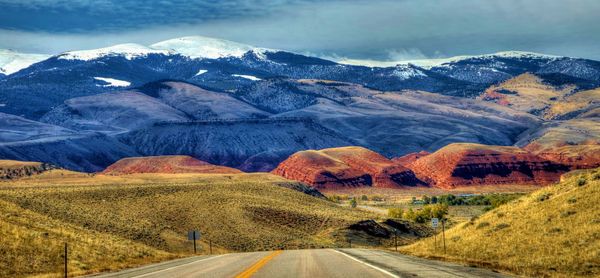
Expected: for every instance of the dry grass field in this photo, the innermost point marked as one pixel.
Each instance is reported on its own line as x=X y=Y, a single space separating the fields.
x=114 y=222
x=553 y=232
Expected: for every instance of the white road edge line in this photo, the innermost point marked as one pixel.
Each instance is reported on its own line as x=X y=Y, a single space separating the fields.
x=368 y=264
x=173 y=267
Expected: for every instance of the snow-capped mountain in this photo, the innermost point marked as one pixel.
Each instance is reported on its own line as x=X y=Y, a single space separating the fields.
x=437 y=62
x=128 y=50
x=239 y=105
x=11 y=61
x=203 y=47
x=228 y=66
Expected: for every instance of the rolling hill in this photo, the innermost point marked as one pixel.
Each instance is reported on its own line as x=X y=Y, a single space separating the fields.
x=166 y=165
x=143 y=218
x=473 y=164
x=345 y=167
x=553 y=232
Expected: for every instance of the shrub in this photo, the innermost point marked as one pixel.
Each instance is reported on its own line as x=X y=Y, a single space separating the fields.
x=353 y=203
x=434 y=200
x=581 y=181
x=364 y=198
x=501 y=226
x=335 y=198
x=482 y=225
x=543 y=197
x=426 y=199
x=409 y=214
x=426 y=213
x=395 y=212
x=377 y=198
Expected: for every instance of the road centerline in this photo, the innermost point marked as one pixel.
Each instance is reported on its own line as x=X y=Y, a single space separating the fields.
x=258 y=265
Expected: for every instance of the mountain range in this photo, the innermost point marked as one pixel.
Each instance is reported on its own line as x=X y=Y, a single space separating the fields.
x=251 y=108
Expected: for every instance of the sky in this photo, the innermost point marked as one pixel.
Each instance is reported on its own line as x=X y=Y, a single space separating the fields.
x=386 y=30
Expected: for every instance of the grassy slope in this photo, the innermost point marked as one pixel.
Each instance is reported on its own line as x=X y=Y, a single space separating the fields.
x=33 y=243
x=553 y=232
x=153 y=214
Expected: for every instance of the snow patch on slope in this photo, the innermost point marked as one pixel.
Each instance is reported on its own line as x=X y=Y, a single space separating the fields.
x=128 y=50
x=11 y=61
x=113 y=82
x=201 y=72
x=250 y=77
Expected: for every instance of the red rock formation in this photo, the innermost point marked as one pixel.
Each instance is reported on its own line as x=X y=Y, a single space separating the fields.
x=409 y=158
x=473 y=164
x=167 y=164
x=583 y=156
x=345 y=167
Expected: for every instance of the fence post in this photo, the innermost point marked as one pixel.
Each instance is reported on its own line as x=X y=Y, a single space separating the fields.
x=66 y=256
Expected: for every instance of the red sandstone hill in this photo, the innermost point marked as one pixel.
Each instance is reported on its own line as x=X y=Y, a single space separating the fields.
x=473 y=164
x=581 y=156
x=168 y=164
x=345 y=167
x=409 y=158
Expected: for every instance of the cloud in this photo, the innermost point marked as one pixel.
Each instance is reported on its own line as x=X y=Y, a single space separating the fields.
x=360 y=29
x=64 y=16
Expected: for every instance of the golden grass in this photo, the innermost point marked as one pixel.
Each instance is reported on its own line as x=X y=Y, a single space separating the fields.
x=32 y=243
x=553 y=232
x=17 y=164
x=531 y=92
x=127 y=220
x=573 y=103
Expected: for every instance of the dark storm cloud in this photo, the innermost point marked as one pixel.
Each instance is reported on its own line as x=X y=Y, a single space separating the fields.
x=64 y=16
x=360 y=29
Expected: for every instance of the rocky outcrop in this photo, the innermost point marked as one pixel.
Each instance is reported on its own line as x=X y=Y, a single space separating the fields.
x=473 y=164
x=11 y=169
x=345 y=167
x=168 y=164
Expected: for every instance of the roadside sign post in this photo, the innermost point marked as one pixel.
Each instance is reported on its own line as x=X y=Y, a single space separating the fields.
x=194 y=235
x=434 y=225
x=350 y=243
x=444 y=234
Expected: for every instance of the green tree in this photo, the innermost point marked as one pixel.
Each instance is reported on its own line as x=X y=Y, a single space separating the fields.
x=364 y=198
x=353 y=203
x=426 y=199
x=438 y=210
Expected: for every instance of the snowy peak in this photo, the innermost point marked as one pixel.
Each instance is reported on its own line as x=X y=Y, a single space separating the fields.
x=128 y=50
x=204 y=47
x=430 y=63
x=520 y=54
x=408 y=71
x=11 y=61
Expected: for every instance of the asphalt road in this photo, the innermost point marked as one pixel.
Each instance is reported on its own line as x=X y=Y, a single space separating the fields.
x=345 y=263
